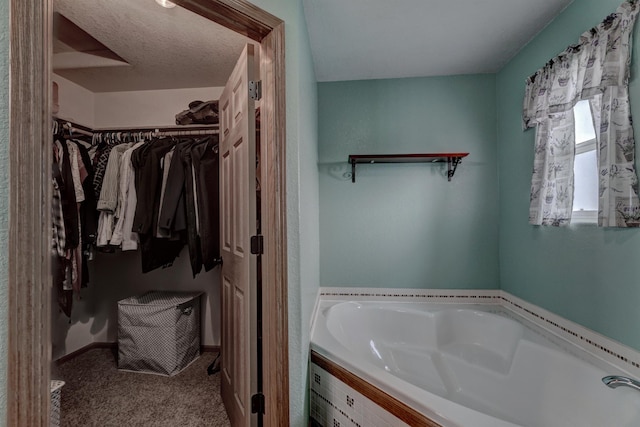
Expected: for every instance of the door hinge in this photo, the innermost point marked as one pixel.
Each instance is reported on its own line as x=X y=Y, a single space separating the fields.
x=257 y=403
x=257 y=245
x=255 y=90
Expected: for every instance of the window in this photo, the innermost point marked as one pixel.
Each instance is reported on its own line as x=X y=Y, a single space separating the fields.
x=585 y=168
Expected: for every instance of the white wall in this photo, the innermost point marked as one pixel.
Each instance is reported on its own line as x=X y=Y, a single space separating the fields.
x=76 y=103
x=147 y=107
x=117 y=276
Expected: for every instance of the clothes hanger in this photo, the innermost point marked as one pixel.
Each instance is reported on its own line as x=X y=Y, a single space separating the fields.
x=69 y=128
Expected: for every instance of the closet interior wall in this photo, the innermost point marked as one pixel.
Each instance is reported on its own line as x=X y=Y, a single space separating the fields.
x=114 y=276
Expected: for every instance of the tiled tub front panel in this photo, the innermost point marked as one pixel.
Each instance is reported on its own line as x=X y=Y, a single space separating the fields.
x=335 y=404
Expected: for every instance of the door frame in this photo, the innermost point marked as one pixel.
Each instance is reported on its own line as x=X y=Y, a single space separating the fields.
x=29 y=257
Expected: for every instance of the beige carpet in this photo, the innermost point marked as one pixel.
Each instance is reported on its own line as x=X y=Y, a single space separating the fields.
x=97 y=394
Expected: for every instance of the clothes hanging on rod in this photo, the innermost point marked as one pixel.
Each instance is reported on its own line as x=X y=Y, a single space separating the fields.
x=113 y=192
x=179 y=179
x=104 y=142
x=108 y=200
x=190 y=203
x=159 y=195
x=126 y=206
x=73 y=216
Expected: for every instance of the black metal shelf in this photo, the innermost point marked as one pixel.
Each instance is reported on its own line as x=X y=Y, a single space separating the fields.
x=452 y=160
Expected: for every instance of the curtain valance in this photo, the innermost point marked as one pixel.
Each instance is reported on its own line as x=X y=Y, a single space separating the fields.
x=601 y=59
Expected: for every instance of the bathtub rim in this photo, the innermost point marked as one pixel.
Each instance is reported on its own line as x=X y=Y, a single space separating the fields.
x=623 y=357
x=552 y=324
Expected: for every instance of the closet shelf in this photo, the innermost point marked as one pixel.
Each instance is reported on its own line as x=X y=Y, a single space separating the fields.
x=452 y=159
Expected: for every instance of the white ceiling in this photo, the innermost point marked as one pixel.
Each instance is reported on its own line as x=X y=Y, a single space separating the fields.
x=143 y=46
x=371 y=39
x=164 y=48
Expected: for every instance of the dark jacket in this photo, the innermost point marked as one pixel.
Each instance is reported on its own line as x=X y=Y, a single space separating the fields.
x=173 y=217
x=205 y=164
x=155 y=252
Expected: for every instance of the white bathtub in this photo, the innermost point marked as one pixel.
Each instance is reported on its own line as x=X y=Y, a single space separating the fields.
x=472 y=365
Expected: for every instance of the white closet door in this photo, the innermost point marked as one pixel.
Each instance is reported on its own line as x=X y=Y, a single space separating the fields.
x=238 y=224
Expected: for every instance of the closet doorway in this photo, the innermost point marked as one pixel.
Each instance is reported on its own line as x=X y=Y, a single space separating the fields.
x=29 y=263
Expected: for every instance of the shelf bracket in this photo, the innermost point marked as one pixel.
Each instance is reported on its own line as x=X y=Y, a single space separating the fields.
x=353 y=170
x=452 y=165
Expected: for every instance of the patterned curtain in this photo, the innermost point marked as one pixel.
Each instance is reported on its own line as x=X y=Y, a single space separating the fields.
x=552 y=181
x=596 y=69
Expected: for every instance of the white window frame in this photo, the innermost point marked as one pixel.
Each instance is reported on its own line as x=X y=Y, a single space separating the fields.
x=585 y=216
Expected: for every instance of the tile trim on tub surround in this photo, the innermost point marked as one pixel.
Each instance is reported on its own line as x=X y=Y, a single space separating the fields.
x=484 y=296
x=612 y=351
x=625 y=358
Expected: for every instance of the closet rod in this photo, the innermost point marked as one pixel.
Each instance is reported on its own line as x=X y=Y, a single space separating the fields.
x=187 y=132
x=62 y=121
x=155 y=131
x=161 y=128
x=73 y=129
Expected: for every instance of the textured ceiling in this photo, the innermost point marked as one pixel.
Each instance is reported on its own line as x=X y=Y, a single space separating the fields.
x=165 y=48
x=368 y=39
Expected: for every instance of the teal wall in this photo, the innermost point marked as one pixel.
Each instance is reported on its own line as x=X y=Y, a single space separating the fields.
x=405 y=225
x=4 y=200
x=583 y=273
